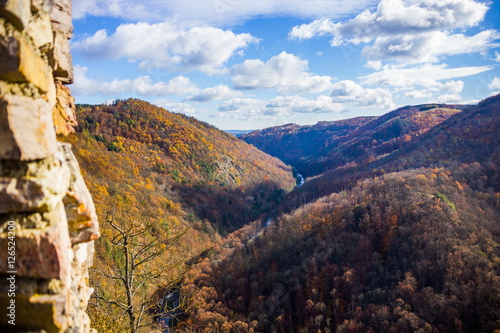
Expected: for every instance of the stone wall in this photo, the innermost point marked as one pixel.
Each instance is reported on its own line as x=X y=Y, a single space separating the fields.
x=47 y=218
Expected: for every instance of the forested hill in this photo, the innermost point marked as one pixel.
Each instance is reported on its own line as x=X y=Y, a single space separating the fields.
x=464 y=137
x=328 y=145
x=302 y=146
x=168 y=180
x=412 y=251
x=469 y=136
x=406 y=243
x=206 y=171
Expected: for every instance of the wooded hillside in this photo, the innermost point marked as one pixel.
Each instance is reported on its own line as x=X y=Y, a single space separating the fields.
x=166 y=187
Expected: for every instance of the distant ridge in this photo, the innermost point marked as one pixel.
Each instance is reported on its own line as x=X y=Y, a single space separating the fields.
x=302 y=146
x=315 y=149
x=468 y=136
x=238 y=133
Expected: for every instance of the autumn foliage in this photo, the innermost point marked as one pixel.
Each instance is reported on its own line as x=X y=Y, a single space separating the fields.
x=169 y=175
x=404 y=252
x=328 y=145
x=192 y=166
x=395 y=230
x=406 y=241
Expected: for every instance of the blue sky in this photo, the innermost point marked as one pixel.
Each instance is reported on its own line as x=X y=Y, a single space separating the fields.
x=246 y=64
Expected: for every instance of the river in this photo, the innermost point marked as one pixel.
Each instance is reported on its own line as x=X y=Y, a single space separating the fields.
x=170 y=307
x=170 y=302
x=300 y=180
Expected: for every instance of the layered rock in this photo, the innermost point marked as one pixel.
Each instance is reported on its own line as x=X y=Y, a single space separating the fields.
x=47 y=216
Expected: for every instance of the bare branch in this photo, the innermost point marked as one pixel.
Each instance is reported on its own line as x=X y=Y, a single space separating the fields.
x=132 y=270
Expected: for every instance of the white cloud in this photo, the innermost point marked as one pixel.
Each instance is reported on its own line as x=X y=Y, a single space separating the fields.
x=250 y=108
x=418 y=94
x=374 y=64
x=409 y=31
x=167 y=45
x=427 y=75
x=142 y=85
x=429 y=46
x=394 y=17
x=449 y=98
x=214 y=93
x=349 y=91
x=497 y=56
x=116 y=8
x=178 y=107
x=295 y=104
x=453 y=87
x=430 y=81
x=216 y=12
x=316 y=28
x=285 y=72
x=247 y=106
x=495 y=84
x=145 y=86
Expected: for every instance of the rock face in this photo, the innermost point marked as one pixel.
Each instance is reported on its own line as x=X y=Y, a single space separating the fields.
x=48 y=222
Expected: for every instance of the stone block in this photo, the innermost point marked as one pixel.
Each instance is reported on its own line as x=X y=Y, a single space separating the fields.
x=63 y=30
x=21 y=61
x=51 y=95
x=80 y=291
x=80 y=210
x=26 y=128
x=61 y=59
x=9 y=57
x=41 y=187
x=33 y=186
x=40 y=31
x=36 y=313
x=63 y=112
x=61 y=17
x=39 y=5
x=18 y=12
x=41 y=254
x=24 y=220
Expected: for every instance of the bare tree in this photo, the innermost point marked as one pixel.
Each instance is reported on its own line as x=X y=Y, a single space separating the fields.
x=140 y=262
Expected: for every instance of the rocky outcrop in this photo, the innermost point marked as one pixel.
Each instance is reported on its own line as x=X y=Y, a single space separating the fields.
x=47 y=218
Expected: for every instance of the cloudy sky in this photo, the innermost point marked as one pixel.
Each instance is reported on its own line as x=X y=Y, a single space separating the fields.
x=248 y=64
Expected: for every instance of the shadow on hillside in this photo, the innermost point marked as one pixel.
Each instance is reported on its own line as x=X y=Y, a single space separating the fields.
x=229 y=209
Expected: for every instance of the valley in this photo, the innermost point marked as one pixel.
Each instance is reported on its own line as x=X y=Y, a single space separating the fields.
x=383 y=234
x=169 y=181
x=236 y=166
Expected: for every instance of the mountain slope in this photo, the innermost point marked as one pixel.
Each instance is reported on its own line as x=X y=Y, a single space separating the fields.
x=465 y=137
x=404 y=252
x=301 y=145
x=469 y=136
x=165 y=179
x=326 y=146
x=219 y=178
x=409 y=242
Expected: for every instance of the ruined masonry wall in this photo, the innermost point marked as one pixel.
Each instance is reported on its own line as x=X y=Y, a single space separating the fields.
x=43 y=198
